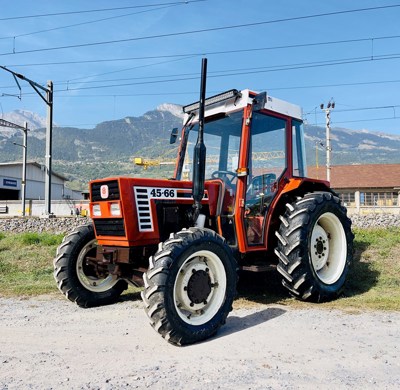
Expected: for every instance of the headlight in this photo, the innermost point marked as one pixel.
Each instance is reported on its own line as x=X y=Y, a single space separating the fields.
x=96 y=210
x=115 y=209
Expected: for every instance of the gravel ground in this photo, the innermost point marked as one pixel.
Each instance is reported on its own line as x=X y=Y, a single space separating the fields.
x=49 y=343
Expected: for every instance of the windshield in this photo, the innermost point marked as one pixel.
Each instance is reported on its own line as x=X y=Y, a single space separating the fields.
x=222 y=139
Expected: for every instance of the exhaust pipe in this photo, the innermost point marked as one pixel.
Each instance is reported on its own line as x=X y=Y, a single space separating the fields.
x=199 y=155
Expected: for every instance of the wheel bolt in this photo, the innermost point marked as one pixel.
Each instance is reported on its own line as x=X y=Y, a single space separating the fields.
x=191 y=304
x=205 y=302
x=185 y=288
x=193 y=271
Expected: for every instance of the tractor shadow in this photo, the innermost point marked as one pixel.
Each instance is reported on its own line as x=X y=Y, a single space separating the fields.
x=363 y=275
x=266 y=287
x=130 y=295
x=236 y=324
x=263 y=287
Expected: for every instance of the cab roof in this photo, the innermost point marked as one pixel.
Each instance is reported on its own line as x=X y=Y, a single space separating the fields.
x=234 y=100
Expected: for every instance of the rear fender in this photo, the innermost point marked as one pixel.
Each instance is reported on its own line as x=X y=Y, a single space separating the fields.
x=295 y=187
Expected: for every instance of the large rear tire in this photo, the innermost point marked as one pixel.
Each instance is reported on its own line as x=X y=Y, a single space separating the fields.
x=190 y=286
x=315 y=247
x=78 y=280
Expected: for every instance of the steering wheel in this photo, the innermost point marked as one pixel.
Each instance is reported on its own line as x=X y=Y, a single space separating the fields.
x=224 y=174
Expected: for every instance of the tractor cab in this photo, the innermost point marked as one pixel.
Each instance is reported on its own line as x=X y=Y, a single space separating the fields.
x=255 y=145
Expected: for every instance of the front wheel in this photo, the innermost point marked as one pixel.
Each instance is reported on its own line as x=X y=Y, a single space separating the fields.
x=79 y=281
x=315 y=247
x=190 y=286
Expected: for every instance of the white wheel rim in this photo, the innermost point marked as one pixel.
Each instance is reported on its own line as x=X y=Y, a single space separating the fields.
x=90 y=282
x=328 y=248
x=200 y=264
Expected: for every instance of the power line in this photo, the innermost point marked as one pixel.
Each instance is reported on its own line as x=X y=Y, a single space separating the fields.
x=357 y=109
x=242 y=71
x=206 y=29
x=193 y=76
x=205 y=53
x=189 y=76
x=359 y=120
x=98 y=10
x=87 y=22
x=368 y=120
x=74 y=81
x=333 y=85
x=367 y=108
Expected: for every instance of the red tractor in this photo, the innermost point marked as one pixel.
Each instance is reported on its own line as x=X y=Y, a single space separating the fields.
x=243 y=203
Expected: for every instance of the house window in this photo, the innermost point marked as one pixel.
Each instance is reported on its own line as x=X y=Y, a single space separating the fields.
x=348 y=199
x=378 y=199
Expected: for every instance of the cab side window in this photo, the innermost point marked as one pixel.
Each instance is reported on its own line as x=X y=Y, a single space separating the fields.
x=266 y=165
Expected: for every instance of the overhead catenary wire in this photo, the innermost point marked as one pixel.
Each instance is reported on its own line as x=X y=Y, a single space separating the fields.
x=227 y=73
x=97 y=10
x=235 y=73
x=87 y=22
x=207 y=53
x=198 y=31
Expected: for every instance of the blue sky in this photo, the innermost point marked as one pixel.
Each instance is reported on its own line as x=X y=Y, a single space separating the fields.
x=361 y=76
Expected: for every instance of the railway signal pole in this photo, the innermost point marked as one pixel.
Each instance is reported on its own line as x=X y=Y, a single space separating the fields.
x=46 y=95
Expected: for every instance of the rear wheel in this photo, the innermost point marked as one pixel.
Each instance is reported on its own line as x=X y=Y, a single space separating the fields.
x=315 y=247
x=79 y=281
x=190 y=286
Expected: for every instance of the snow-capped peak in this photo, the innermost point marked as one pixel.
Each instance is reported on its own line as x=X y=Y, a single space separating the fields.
x=174 y=109
x=18 y=117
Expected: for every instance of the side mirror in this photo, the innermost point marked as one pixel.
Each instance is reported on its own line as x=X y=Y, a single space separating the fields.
x=174 y=135
x=259 y=101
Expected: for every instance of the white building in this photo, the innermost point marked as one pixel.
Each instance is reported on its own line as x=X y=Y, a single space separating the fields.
x=10 y=183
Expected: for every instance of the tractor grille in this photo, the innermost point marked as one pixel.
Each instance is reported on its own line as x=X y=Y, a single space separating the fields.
x=143 y=209
x=113 y=190
x=109 y=227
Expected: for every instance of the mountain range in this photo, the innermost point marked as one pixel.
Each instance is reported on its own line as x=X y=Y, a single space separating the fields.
x=108 y=148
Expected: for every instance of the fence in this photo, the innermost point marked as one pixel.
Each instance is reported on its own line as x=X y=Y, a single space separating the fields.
x=36 y=208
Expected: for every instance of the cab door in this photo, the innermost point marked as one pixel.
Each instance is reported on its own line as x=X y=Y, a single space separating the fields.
x=266 y=164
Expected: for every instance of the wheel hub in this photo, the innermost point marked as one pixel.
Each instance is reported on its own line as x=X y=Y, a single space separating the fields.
x=88 y=275
x=199 y=287
x=319 y=248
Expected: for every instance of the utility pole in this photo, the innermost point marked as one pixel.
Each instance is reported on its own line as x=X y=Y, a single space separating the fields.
x=23 y=183
x=328 y=109
x=48 y=99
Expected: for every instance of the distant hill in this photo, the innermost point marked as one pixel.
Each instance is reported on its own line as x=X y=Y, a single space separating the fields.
x=107 y=149
x=352 y=147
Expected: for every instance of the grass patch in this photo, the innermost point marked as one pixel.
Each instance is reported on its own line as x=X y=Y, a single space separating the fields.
x=373 y=281
x=26 y=269
x=42 y=239
x=26 y=263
